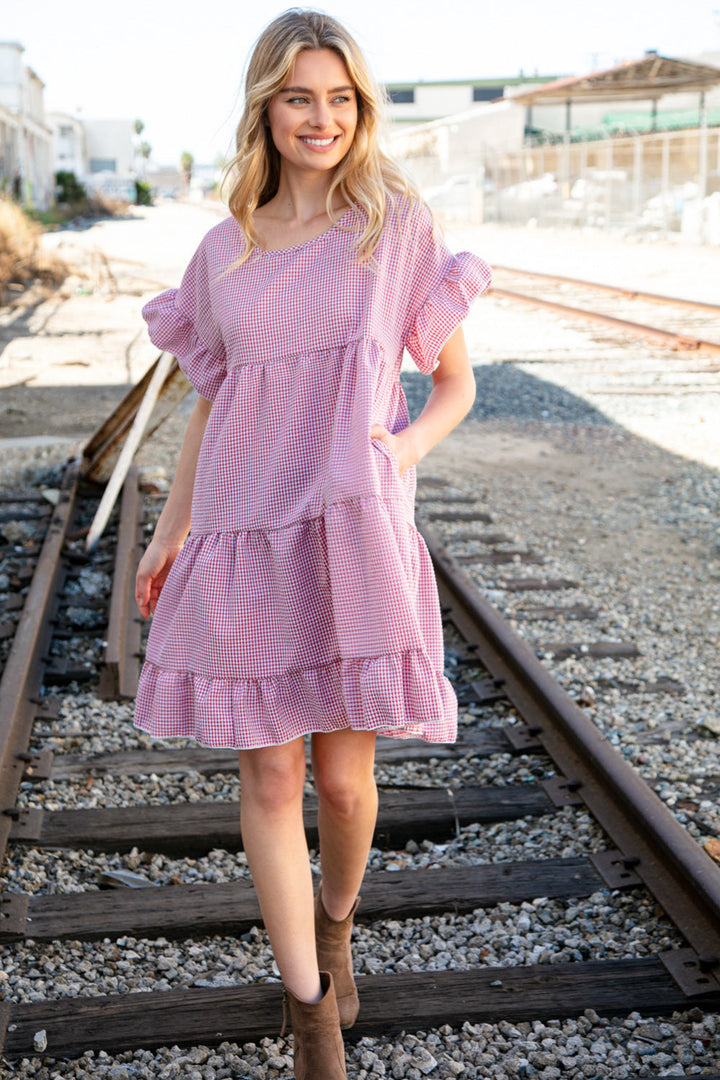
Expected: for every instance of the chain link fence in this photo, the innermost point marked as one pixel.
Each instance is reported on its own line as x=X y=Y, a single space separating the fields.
x=665 y=182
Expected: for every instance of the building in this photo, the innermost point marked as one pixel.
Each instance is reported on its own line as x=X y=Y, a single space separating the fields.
x=635 y=146
x=110 y=146
x=101 y=153
x=25 y=137
x=654 y=93
x=69 y=143
x=418 y=102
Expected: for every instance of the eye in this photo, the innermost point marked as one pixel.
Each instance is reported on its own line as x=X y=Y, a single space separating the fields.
x=296 y=101
x=342 y=99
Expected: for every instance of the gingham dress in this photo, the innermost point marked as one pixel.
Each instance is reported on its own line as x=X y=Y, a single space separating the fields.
x=304 y=599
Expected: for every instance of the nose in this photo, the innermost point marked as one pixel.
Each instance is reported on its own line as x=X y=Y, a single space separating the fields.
x=320 y=115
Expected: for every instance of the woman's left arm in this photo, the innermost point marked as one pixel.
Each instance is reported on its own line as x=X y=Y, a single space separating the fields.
x=450 y=399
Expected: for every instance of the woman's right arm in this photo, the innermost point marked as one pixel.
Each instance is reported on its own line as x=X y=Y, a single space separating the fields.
x=174 y=522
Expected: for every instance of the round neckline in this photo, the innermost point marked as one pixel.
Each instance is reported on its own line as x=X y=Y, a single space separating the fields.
x=305 y=243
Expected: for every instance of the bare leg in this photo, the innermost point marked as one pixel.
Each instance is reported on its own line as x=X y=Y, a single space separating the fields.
x=271 y=820
x=343 y=764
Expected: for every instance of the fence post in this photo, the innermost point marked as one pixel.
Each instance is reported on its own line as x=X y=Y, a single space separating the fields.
x=703 y=149
x=608 y=184
x=637 y=177
x=665 y=183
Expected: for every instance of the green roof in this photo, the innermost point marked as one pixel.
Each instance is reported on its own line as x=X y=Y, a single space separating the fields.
x=618 y=123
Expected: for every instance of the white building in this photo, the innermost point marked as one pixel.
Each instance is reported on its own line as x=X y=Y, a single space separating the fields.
x=101 y=153
x=110 y=146
x=418 y=102
x=457 y=144
x=69 y=144
x=25 y=138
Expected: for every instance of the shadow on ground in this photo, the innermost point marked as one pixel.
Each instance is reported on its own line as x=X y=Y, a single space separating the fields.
x=504 y=392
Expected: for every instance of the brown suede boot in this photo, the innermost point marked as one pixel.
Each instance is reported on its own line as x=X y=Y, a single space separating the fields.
x=319 y=1050
x=332 y=941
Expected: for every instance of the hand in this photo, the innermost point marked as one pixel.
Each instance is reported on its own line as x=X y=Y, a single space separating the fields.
x=401 y=446
x=152 y=573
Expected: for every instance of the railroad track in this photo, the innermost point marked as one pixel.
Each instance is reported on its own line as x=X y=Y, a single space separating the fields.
x=513 y=712
x=684 y=325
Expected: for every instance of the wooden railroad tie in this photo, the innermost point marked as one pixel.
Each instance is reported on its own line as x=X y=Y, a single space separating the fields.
x=193 y=910
x=404 y=1001
x=192 y=829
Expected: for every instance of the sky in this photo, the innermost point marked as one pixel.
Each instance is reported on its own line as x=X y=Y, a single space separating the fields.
x=178 y=65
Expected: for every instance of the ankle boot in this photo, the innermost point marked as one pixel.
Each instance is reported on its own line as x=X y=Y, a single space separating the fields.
x=319 y=1050
x=332 y=941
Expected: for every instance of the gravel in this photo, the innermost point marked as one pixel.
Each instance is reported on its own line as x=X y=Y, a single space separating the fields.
x=587 y=1048
x=602 y=927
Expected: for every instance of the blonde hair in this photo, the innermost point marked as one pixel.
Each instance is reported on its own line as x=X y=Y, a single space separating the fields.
x=364 y=177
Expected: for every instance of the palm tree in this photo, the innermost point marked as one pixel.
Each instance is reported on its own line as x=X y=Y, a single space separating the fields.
x=145 y=150
x=139 y=127
x=186 y=164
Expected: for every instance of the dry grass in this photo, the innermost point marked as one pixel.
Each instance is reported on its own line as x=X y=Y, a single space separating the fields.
x=22 y=258
x=100 y=205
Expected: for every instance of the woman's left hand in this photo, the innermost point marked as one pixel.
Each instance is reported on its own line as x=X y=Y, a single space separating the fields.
x=401 y=446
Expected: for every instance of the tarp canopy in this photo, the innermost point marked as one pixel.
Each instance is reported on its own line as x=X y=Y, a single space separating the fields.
x=649 y=78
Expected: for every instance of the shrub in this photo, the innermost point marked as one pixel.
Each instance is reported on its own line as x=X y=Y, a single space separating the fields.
x=68 y=188
x=22 y=259
x=143 y=193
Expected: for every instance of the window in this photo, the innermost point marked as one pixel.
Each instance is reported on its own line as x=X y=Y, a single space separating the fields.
x=487 y=93
x=66 y=132
x=402 y=97
x=103 y=164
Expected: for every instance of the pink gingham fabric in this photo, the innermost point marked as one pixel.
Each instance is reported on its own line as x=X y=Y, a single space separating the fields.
x=304 y=598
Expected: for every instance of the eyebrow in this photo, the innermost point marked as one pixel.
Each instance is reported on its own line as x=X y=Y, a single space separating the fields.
x=305 y=90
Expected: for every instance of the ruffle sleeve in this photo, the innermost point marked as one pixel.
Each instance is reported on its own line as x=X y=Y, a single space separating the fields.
x=442 y=289
x=181 y=322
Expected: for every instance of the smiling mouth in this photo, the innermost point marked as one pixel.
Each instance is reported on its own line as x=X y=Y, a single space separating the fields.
x=311 y=141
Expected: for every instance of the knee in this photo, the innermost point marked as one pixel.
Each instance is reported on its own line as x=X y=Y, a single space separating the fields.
x=271 y=784
x=344 y=793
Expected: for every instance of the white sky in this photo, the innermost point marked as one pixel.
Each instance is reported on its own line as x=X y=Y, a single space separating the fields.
x=178 y=64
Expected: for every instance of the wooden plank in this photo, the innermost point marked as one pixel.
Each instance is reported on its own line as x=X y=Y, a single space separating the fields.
x=206 y=762
x=195 y=828
x=472 y=535
x=102 y=450
x=526 y=584
x=458 y=515
x=409 y=1001
x=232 y=908
x=597 y=650
x=498 y=558
x=121 y=664
x=574 y=611
x=161 y=368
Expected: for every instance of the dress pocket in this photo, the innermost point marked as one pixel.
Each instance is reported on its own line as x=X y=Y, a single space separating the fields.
x=387 y=452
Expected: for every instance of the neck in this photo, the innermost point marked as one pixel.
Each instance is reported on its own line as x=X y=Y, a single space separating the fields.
x=301 y=198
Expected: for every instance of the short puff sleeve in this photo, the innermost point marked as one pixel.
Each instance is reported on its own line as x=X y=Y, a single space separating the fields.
x=181 y=322
x=442 y=287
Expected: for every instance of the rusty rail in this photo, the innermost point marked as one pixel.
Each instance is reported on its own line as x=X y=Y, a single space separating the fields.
x=22 y=677
x=651 y=333
x=651 y=841
x=617 y=290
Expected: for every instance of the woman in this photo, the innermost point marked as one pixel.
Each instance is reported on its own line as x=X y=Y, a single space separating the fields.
x=303 y=601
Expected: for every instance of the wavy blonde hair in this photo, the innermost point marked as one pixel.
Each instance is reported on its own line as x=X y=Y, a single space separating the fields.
x=364 y=177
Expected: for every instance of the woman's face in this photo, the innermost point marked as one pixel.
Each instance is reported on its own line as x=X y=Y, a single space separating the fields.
x=314 y=117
